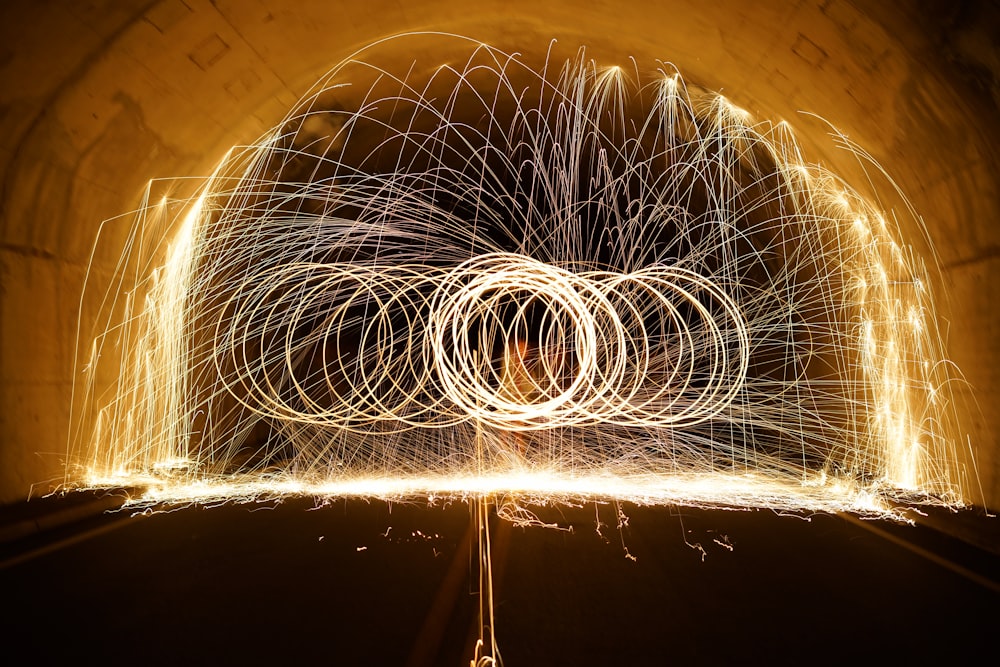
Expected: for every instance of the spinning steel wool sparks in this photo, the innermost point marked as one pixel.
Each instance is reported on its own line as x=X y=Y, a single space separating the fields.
x=490 y=277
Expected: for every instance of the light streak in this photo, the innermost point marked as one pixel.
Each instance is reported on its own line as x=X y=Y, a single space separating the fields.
x=486 y=278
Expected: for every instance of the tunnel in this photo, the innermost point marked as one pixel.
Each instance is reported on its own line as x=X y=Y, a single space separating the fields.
x=108 y=105
x=99 y=123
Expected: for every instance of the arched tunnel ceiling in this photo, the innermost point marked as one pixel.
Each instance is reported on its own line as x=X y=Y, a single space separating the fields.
x=100 y=97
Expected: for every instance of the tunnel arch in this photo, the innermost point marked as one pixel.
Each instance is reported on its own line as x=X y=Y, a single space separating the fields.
x=165 y=89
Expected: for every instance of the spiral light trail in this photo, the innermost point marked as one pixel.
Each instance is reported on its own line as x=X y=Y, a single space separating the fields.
x=492 y=277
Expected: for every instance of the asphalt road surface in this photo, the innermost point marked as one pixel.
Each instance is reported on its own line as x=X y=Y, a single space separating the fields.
x=377 y=583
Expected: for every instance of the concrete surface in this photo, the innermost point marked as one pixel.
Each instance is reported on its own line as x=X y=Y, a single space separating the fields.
x=356 y=583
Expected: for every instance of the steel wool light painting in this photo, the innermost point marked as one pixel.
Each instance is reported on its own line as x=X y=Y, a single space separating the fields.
x=496 y=275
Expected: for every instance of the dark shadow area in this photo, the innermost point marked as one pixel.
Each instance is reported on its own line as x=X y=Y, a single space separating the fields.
x=353 y=583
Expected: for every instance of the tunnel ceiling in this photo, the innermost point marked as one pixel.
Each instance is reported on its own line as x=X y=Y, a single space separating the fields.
x=99 y=98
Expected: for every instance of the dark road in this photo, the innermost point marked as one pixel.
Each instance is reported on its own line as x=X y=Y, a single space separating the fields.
x=373 y=583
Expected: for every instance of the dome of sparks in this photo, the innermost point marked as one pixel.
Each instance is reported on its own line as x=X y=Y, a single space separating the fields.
x=551 y=277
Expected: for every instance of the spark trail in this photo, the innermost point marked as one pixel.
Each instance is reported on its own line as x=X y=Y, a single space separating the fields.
x=559 y=282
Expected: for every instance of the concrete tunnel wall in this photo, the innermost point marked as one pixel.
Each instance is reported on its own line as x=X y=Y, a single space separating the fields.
x=99 y=97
